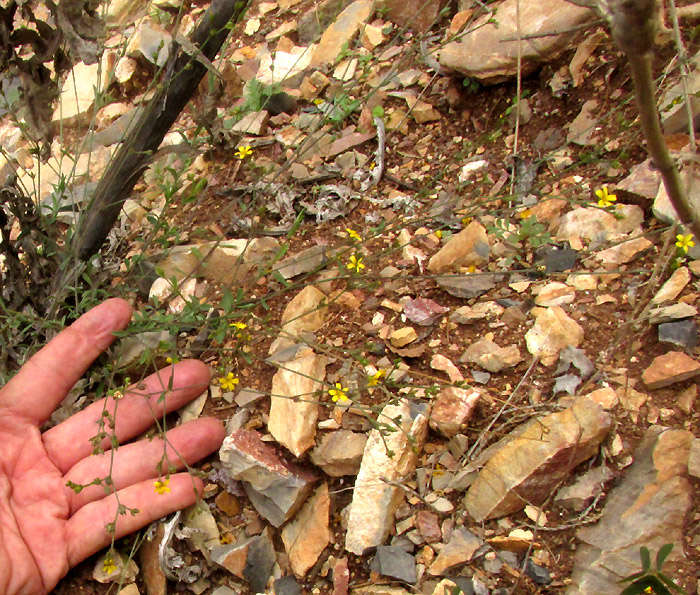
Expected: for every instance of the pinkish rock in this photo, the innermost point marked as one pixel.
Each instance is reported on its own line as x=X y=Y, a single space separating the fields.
x=419 y=17
x=428 y=526
x=275 y=487
x=452 y=409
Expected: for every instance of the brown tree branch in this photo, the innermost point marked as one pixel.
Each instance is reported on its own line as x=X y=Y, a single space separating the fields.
x=183 y=72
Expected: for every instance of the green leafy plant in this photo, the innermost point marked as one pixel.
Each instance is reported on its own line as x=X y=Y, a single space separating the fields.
x=651 y=580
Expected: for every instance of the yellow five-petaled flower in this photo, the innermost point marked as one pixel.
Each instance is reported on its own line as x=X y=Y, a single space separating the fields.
x=353 y=235
x=229 y=381
x=605 y=199
x=376 y=377
x=239 y=325
x=339 y=393
x=108 y=566
x=684 y=242
x=355 y=264
x=243 y=152
x=161 y=486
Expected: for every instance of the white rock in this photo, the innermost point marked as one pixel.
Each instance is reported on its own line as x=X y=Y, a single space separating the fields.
x=375 y=501
x=293 y=404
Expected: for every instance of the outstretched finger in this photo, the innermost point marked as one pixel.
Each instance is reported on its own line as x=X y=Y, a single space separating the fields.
x=88 y=531
x=145 y=459
x=141 y=406
x=46 y=378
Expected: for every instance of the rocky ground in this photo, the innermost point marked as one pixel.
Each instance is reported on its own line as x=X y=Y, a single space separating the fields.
x=459 y=343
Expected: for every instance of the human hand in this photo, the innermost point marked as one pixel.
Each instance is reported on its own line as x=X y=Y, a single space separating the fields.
x=46 y=527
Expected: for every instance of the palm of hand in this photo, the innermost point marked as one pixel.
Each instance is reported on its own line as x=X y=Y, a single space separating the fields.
x=46 y=527
x=34 y=512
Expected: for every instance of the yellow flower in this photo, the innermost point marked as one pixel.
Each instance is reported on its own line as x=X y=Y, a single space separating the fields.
x=438 y=234
x=355 y=264
x=172 y=360
x=376 y=377
x=466 y=220
x=605 y=199
x=471 y=269
x=339 y=393
x=161 y=486
x=684 y=242
x=239 y=325
x=108 y=566
x=243 y=152
x=229 y=381
x=353 y=235
x=525 y=214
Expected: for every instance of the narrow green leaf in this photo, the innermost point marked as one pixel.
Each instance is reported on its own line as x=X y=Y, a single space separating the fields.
x=646 y=558
x=297 y=223
x=662 y=554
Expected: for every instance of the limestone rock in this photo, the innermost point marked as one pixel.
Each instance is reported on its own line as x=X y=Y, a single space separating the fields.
x=341 y=32
x=254 y=123
x=669 y=368
x=150 y=43
x=303 y=262
x=228 y=262
x=525 y=467
x=579 y=495
x=555 y=294
x=452 y=409
x=484 y=53
x=587 y=223
x=276 y=68
x=293 y=406
x=275 y=487
x=374 y=501
x=458 y=550
x=469 y=247
x=78 y=91
x=428 y=526
x=624 y=252
x=419 y=17
x=306 y=312
x=307 y=534
x=676 y=283
x=582 y=127
x=403 y=336
x=648 y=508
x=670 y=313
x=467 y=286
x=553 y=331
x=491 y=356
x=314 y=21
x=251 y=559
x=340 y=453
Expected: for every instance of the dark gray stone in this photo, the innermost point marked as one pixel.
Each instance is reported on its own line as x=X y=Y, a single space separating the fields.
x=394 y=562
x=261 y=559
x=557 y=260
x=287 y=585
x=539 y=574
x=683 y=333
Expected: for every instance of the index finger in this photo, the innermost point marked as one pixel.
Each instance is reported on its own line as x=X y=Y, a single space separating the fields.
x=46 y=378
